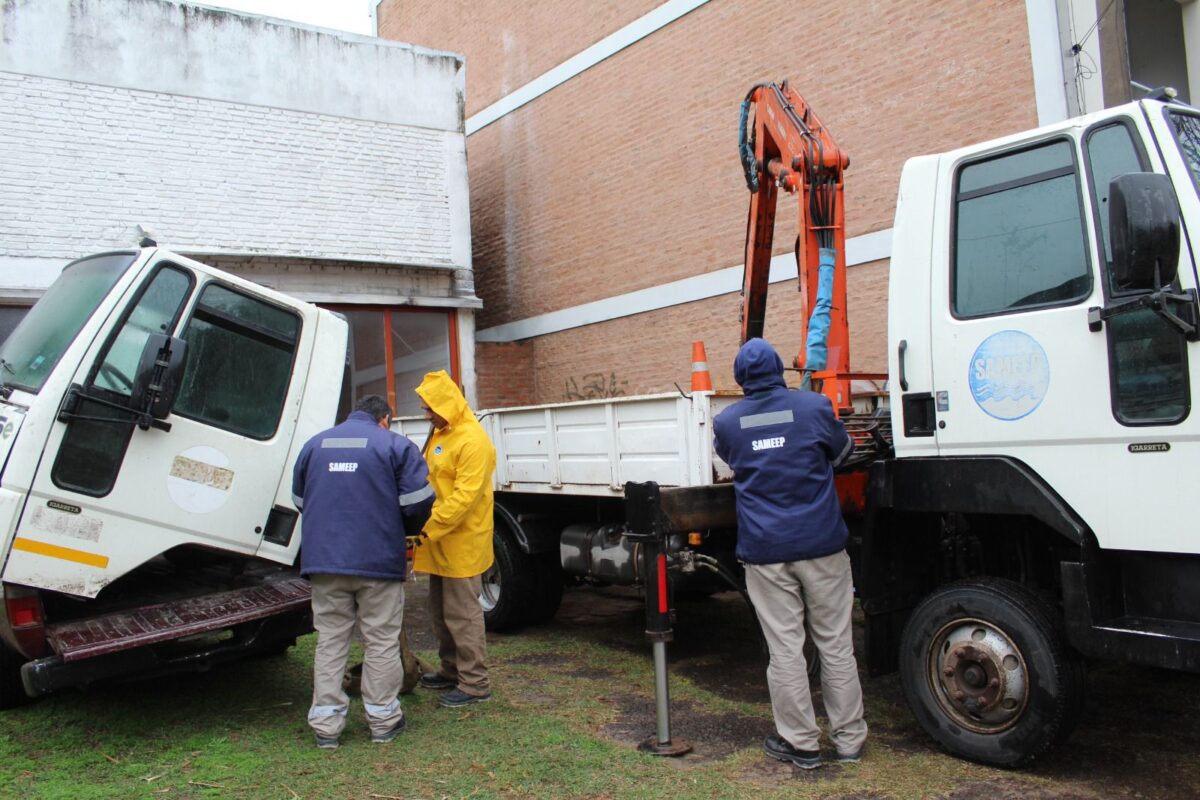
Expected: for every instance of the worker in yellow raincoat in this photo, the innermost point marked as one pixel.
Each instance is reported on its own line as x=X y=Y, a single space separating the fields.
x=456 y=544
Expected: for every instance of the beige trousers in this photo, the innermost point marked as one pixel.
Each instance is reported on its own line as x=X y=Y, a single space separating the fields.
x=781 y=594
x=377 y=606
x=458 y=623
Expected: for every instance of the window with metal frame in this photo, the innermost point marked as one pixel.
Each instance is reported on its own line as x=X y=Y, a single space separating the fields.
x=239 y=363
x=391 y=349
x=1019 y=236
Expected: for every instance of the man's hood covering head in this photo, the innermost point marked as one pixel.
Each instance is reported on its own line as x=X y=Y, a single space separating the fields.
x=758 y=367
x=441 y=393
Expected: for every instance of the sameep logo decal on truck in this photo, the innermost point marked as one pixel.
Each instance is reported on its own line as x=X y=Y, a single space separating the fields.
x=1009 y=375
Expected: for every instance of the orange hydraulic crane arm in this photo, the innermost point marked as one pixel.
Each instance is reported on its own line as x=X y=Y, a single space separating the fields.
x=789 y=148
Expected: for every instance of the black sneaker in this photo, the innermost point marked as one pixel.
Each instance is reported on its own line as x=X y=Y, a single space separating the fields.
x=778 y=747
x=457 y=697
x=391 y=733
x=327 y=742
x=435 y=680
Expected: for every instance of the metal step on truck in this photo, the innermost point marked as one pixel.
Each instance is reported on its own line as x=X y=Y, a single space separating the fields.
x=151 y=408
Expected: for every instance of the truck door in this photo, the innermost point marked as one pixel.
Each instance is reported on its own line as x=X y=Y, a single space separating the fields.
x=127 y=494
x=1018 y=370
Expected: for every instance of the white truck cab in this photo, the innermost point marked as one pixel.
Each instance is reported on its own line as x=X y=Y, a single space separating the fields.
x=152 y=406
x=1044 y=360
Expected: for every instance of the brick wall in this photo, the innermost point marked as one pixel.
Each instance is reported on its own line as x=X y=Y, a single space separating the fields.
x=83 y=164
x=505 y=373
x=511 y=43
x=626 y=176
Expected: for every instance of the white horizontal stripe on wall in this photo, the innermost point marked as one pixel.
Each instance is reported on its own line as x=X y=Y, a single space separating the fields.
x=859 y=250
x=639 y=29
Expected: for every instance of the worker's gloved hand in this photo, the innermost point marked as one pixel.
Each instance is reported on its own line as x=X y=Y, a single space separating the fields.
x=413 y=541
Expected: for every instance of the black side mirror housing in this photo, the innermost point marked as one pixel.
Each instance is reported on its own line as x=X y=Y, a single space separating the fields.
x=159 y=375
x=1143 y=217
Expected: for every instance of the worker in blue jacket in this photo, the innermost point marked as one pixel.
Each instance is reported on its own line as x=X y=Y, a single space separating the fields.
x=361 y=489
x=782 y=446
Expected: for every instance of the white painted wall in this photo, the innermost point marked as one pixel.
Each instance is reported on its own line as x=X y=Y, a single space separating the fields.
x=225 y=135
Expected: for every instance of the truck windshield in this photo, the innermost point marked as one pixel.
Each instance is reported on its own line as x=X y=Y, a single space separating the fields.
x=29 y=355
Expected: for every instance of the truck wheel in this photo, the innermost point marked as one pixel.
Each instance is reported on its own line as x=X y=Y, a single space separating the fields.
x=988 y=673
x=548 y=590
x=12 y=691
x=508 y=585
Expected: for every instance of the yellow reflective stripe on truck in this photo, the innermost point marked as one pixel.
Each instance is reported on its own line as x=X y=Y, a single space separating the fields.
x=54 y=551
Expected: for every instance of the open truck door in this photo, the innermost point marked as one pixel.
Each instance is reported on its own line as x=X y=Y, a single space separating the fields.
x=123 y=478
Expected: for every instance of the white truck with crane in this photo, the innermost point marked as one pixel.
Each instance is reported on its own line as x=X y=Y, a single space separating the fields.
x=1020 y=504
x=1021 y=500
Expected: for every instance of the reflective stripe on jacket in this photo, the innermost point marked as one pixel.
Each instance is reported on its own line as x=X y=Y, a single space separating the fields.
x=461 y=462
x=360 y=489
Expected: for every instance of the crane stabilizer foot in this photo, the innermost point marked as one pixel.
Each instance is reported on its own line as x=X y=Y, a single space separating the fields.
x=669 y=748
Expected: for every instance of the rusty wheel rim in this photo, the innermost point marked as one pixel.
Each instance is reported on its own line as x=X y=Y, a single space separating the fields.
x=978 y=675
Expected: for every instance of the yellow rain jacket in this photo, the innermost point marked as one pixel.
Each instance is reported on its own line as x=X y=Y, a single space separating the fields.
x=461 y=461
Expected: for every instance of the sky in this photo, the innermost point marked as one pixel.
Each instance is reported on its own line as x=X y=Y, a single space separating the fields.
x=342 y=15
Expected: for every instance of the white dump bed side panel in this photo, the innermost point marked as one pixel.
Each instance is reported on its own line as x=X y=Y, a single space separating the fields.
x=594 y=447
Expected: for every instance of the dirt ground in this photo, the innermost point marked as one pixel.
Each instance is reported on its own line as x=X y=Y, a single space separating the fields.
x=1139 y=737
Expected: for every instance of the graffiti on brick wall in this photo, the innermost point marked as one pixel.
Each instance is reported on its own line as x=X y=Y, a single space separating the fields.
x=593 y=386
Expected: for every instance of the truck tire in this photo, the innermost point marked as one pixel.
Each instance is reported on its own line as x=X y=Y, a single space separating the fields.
x=509 y=585
x=988 y=673
x=12 y=691
x=548 y=590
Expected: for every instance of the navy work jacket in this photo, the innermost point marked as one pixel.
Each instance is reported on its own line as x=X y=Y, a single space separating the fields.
x=782 y=446
x=361 y=489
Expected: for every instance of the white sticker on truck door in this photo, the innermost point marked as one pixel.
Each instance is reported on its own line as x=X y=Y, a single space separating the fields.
x=1009 y=375
x=200 y=479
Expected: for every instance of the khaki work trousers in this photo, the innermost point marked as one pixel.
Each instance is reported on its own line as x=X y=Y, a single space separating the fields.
x=458 y=623
x=377 y=606
x=781 y=594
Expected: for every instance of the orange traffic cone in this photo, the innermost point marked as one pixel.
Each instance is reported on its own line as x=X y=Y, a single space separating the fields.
x=701 y=378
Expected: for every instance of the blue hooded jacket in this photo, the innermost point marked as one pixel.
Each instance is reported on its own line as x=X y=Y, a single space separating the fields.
x=361 y=490
x=782 y=446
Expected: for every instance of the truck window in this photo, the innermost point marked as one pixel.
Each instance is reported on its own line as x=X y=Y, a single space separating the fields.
x=94 y=444
x=155 y=312
x=30 y=354
x=1019 y=240
x=1110 y=152
x=240 y=353
x=1187 y=136
x=1147 y=357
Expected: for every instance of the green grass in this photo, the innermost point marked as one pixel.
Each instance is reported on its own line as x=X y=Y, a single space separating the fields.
x=240 y=732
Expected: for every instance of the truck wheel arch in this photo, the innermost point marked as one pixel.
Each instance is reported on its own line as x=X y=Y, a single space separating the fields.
x=908 y=502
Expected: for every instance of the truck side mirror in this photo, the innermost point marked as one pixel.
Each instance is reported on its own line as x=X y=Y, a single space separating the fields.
x=159 y=375
x=1143 y=217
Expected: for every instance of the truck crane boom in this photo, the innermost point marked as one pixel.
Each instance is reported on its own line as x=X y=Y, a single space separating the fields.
x=789 y=148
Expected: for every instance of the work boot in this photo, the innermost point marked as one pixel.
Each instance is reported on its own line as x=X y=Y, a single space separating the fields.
x=456 y=698
x=436 y=680
x=778 y=747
